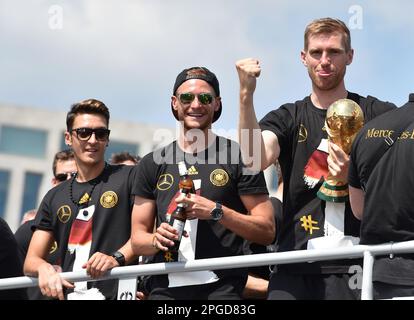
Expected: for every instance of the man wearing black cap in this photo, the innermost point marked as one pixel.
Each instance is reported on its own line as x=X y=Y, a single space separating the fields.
x=230 y=203
x=381 y=179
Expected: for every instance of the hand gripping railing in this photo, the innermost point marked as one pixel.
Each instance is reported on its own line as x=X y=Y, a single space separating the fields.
x=367 y=252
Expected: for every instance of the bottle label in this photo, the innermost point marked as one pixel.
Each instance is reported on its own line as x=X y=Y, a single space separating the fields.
x=179 y=226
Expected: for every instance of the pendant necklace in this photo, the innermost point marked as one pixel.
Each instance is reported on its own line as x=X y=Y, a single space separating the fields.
x=83 y=205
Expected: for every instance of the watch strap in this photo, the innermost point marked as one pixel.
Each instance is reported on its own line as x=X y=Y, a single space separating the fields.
x=119 y=257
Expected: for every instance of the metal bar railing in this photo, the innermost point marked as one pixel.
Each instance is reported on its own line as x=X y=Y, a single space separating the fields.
x=366 y=291
x=368 y=252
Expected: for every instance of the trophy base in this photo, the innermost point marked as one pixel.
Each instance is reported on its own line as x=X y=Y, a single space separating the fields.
x=332 y=193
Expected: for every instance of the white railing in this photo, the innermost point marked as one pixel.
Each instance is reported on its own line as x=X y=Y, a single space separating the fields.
x=131 y=272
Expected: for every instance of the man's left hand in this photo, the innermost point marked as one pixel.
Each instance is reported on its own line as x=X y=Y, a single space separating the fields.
x=99 y=264
x=197 y=206
x=338 y=162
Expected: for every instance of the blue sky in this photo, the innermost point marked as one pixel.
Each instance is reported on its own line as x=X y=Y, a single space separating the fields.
x=128 y=53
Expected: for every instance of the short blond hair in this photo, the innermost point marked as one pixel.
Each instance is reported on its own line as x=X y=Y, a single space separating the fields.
x=327 y=26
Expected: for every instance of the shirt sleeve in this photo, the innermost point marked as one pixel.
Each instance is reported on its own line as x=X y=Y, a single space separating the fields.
x=145 y=178
x=380 y=107
x=250 y=182
x=44 y=220
x=280 y=122
x=353 y=174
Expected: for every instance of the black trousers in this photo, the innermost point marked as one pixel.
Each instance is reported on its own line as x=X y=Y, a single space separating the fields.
x=223 y=289
x=285 y=286
x=384 y=290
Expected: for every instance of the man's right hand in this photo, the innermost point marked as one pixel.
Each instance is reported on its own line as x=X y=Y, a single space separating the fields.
x=248 y=70
x=50 y=282
x=163 y=238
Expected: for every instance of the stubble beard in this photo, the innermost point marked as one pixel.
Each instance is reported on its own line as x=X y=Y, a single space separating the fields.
x=328 y=84
x=203 y=126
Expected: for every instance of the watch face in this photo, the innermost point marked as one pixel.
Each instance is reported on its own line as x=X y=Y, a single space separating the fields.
x=216 y=214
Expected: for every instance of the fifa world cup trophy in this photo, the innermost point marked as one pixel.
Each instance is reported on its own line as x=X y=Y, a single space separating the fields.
x=344 y=118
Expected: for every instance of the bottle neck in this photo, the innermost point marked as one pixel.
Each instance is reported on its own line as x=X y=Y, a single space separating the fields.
x=186 y=185
x=181 y=205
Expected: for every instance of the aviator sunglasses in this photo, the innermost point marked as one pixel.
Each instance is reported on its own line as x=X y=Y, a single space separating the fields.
x=85 y=134
x=204 y=98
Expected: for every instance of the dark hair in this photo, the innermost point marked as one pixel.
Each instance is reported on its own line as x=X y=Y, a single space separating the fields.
x=63 y=155
x=327 y=26
x=92 y=106
x=117 y=158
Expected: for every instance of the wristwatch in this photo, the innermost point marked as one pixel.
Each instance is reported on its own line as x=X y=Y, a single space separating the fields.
x=217 y=212
x=119 y=257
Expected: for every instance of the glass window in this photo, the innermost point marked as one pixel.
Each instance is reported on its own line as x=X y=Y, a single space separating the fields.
x=23 y=141
x=272 y=180
x=32 y=183
x=119 y=146
x=63 y=145
x=4 y=188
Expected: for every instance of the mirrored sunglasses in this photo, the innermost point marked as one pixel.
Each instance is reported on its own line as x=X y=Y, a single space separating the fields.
x=204 y=98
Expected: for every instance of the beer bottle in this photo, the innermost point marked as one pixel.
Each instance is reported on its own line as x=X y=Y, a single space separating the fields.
x=178 y=216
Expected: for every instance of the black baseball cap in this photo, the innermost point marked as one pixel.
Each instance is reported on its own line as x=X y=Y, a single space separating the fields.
x=201 y=73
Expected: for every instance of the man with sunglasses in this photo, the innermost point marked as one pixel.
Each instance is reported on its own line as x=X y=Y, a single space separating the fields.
x=89 y=215
x=64 y=166
x=294 y=135
x=228 y=206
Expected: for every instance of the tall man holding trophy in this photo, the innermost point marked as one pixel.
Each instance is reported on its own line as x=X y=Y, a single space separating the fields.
x=344 y=118
x=295 y=134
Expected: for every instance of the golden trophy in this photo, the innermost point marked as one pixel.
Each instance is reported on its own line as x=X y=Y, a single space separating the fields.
x=344 y=118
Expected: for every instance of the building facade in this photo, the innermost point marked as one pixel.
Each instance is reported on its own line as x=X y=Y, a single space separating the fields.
x=29 y=139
